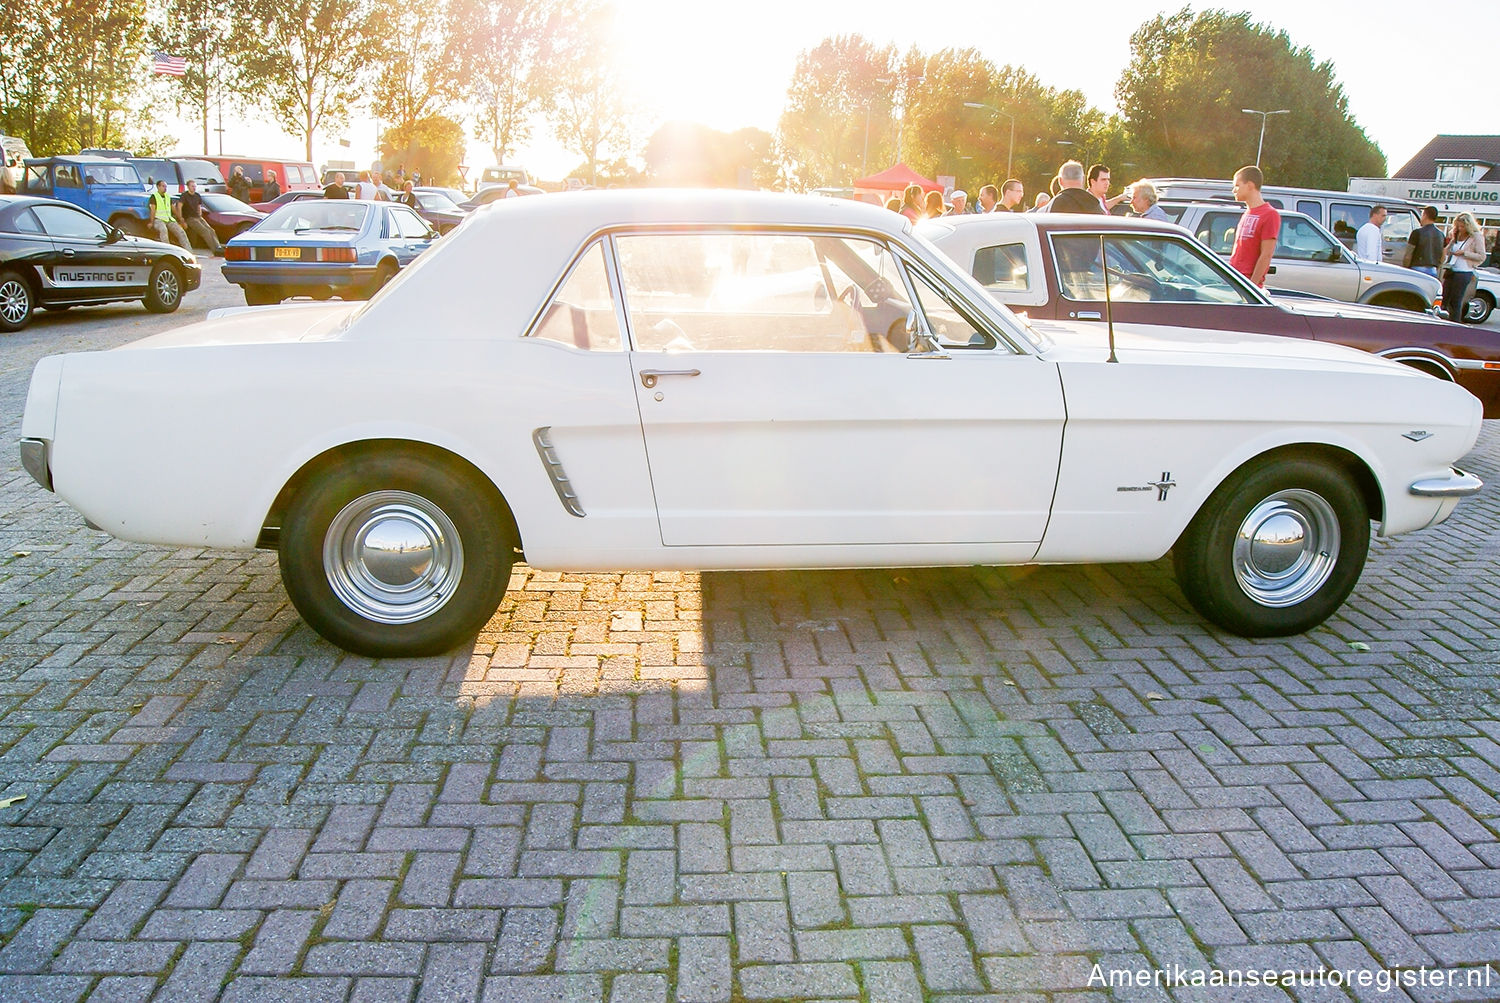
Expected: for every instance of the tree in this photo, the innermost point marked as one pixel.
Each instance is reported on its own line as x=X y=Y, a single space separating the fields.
x=1191 y=74
x=507 y=51
x=690 y=154
x=433 y=144
x=304 y=61
x=204 y=34
x=418 y=76
x=838 y=122
x=591 y=114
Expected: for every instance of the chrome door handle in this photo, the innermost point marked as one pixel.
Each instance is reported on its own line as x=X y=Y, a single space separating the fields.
x=67 y=252
x=1087 y=315
x=934 y=354
x=650 y=376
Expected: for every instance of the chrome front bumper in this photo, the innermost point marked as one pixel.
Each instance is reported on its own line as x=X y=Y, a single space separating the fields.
x=34 y=459
x=1456 y=485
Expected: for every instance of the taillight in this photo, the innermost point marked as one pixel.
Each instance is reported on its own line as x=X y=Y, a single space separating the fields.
x=233 y=253
x=344 y=255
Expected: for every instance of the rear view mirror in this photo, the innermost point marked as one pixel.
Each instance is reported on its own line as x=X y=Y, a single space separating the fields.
x=115 y=234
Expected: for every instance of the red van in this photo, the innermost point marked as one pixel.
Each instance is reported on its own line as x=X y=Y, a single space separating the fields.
x=292 y=175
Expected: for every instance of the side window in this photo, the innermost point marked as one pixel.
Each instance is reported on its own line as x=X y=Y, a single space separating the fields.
x=1311 y=207
x=759 y=292
x=945 y=317
x=61 y=221
x=1399 y=223
x=1217 y=231
x=254 y=172
x=409 y=224
x=1299 y=241
x=1003 y=268
x=1143 y=269
x=308 y=175
x=582 y=314
x=1345 y=220
x=67 y=176
x=26 y=222
x=36 y=181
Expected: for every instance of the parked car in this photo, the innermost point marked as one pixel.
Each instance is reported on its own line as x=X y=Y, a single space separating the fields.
x=286 y=198
x=13 y=156
x=500 y=175
x=438 y=210
x=291 y=175
x=325 y=247
x=493 y=194
x=1341 y=212
x=107 y=187
x=451 y=194
x=653 y=384
x=178 y=171
x=55 y=255
x=1049 y=266
x=228 y=216
x=1486 y=295
x=1310 y=259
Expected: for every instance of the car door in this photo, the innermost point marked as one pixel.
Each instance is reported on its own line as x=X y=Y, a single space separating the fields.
x=88 y=261
x=1159 y=279
x=409 y=234
x=67 y=185
x=780 y=407
x=1307 y=260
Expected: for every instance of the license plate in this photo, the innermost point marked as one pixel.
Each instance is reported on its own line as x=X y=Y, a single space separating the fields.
x=288 y=252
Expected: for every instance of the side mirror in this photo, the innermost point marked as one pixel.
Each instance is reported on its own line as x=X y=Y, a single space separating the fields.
x=115 y=235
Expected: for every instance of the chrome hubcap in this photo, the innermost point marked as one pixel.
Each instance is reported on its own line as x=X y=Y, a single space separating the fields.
x=1286 y=548
x=15 y=301
x=166 y=285
x=393 y=557
x=1475 y=309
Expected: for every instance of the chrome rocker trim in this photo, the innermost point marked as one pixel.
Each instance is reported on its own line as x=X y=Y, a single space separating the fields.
x=1459 y=485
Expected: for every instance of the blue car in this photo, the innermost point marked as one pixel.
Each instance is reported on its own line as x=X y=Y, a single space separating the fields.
x=325 y=247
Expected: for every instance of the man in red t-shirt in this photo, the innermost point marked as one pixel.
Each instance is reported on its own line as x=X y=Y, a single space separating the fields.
x=1255 y=237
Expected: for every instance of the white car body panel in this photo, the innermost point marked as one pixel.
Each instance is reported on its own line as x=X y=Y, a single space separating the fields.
x=764 y=460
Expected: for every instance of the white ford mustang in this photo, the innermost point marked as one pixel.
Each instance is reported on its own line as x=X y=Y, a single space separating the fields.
x=720 y=380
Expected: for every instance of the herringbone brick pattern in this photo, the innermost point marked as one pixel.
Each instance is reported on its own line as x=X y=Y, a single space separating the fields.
x=874 y=785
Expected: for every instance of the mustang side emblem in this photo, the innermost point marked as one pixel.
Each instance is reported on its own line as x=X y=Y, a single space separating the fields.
x=1162 y=486
x=1416 y=435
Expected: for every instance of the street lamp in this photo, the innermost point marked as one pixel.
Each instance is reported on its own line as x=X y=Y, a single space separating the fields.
x=1068 y=142
x=1010 y=150
x=1263 y=116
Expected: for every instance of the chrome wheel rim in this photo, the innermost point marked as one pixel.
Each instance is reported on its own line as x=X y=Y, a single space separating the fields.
x=1475 y=309
x=1286 y=548
x=166 y=286
x=15 y=301
x=393 y=557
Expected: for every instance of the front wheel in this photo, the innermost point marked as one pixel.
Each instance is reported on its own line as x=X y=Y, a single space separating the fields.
x=1276 y=549
x=16 y=302
x=1479 y=309
x=395 y=556
x=164 y=290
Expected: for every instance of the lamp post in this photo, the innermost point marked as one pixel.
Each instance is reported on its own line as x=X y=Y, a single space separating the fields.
x=1011 y=149
x=1084 y=159
x=1263 y=116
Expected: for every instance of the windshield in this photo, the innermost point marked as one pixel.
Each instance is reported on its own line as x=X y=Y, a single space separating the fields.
x=225 y=203
x=318 y=214
x=110 y=174
x=434 y=202
x=200 y=171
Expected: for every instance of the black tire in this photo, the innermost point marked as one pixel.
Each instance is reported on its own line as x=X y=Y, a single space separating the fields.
x=131 y=226
x=321 y=293
x=383 y=274
x=1480 y=308
x=57 y=307
x=163 y=289
x=262 y=295
x=429 y=605
x=17 y=301
x=1272 y=590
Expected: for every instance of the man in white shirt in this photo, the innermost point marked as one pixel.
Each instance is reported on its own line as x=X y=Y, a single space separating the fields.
x=1367 y=240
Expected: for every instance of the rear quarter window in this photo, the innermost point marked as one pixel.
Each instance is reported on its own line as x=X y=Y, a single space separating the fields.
x=1002 y=268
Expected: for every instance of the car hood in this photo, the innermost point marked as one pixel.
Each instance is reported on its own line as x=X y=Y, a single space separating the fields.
x=1355 y=311
x=1162 y=345
x=256 y=326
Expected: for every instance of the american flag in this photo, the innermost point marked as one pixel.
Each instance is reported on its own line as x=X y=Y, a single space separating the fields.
x=165 y=63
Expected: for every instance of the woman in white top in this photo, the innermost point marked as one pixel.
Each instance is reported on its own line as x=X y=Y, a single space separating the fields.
x=1465 y=250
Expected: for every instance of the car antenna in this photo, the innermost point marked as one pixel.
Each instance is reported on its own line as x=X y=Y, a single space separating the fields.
x=1109 y=312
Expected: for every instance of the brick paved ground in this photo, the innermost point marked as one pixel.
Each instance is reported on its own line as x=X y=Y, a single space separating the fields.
x=873 y=785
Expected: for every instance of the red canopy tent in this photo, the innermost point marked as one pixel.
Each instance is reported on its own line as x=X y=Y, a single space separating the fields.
x=893 y=181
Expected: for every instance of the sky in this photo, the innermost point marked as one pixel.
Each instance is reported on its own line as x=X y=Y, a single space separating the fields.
x=690 y=60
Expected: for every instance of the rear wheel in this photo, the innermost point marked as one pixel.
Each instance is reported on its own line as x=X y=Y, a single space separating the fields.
x=1276 y=549
x=164 y=290
x=383 y=274
x=262 y=295
x=16 y=302
x=395 y=556
x=1480 y=308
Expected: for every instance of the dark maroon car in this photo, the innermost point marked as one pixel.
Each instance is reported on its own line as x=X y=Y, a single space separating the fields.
x=1049 y=266
x=227 y=215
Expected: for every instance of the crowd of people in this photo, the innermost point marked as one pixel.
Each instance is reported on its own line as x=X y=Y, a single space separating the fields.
x=1451 y=256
